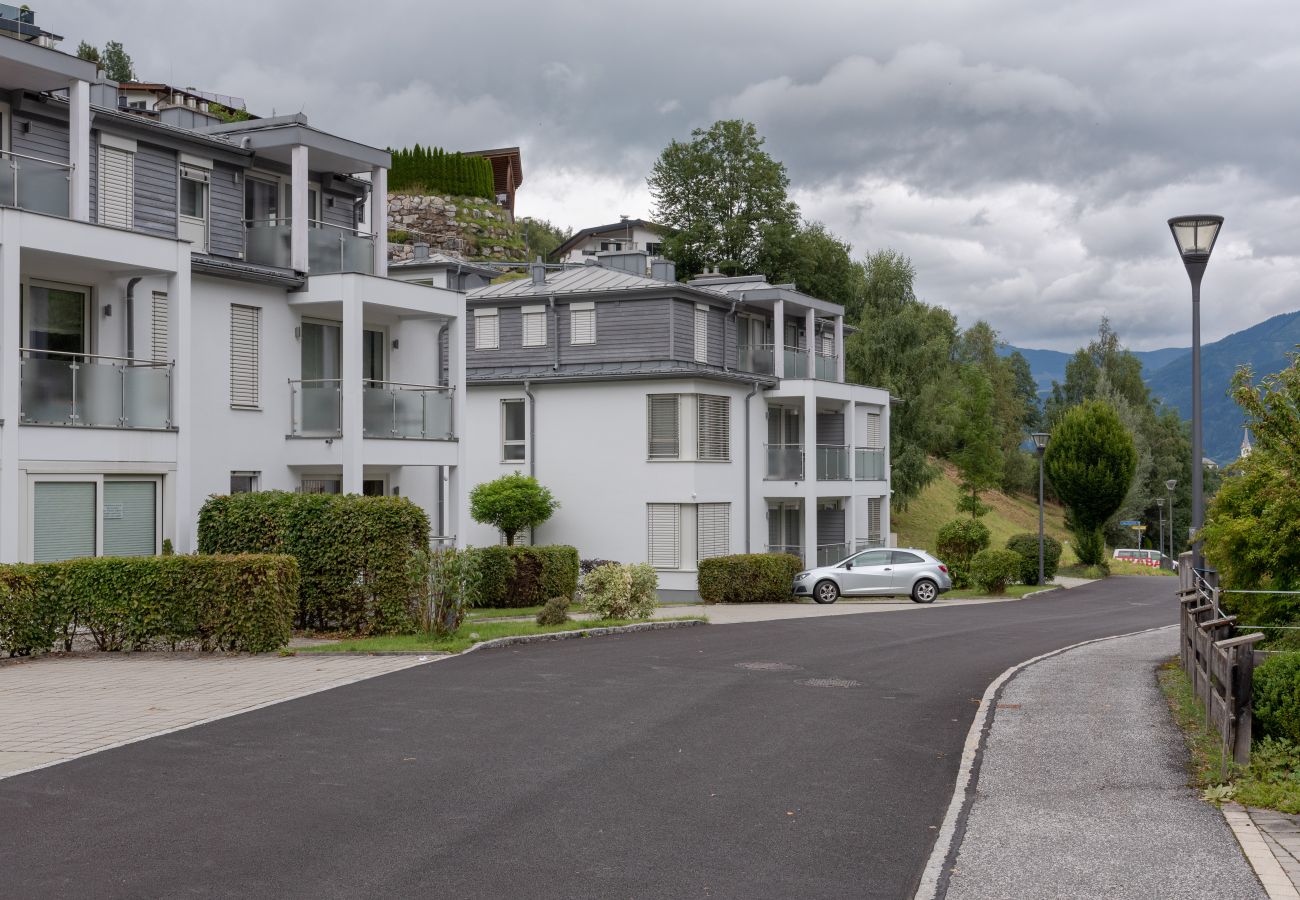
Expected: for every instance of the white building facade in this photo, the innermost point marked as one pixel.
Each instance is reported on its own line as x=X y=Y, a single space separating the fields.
x=625 y=236
x=186 y=312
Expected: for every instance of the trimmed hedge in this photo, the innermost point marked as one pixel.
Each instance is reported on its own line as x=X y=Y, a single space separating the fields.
x=1276 y=702
x=617 y=591
x=133 y=603
x=434 y=170
x=1027 y=546
x=515 y=577
x=357 y=555
x=993 y=570
x=957 y=542
x=749 y=578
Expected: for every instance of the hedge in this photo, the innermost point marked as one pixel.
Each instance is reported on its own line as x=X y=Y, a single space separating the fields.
x=1276 y=702
x=357 y=555
x=1027 y=546
x=748 y=578
x=617 y=591
x=134 y=603
x=515 y=577
x=957 y=542
x=434 y=170
x=993 y=570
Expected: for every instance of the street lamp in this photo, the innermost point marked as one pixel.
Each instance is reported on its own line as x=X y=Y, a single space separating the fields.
x=1195 y=237
x=1040 y=444
x=1160 y=507
x=1169 y=486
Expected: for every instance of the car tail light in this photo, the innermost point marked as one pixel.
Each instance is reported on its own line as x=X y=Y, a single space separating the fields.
x=943 y=568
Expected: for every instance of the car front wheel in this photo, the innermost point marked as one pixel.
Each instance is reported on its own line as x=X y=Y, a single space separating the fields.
x=924 y=591
x=826 y=592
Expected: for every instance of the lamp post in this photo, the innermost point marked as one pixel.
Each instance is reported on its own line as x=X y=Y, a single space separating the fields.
x=1160 y=507
x=1040 y=444
x=1195 y=237
x=1169 y=486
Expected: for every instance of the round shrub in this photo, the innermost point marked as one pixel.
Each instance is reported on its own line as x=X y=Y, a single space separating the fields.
x=1276 y=705
x=957 y=543
x=555 y=612
x=616 y=591
x=992 y=570
x=748 y=578
x=1027 y=546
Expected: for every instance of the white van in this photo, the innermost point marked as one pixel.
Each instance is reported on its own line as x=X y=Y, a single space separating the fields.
x=1150 y=558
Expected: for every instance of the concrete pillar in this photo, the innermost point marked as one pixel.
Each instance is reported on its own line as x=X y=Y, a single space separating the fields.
x=379 y=218
x=351 y=340
x=300 y=212
x=839 y=349
x=185 y=505
x=778 y=338
x=810 y=338
x=810 y=475
x=79 y=148
x=12 y=490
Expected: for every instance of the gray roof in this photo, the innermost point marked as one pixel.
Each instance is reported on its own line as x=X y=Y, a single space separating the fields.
x=582 y=280
x=657 y=368
x=443 y=261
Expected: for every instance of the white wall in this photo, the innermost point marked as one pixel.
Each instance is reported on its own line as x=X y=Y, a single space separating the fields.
x=640 y=237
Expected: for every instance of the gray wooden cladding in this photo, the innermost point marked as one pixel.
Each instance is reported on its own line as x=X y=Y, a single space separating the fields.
x=226 y=211
x=156 y=189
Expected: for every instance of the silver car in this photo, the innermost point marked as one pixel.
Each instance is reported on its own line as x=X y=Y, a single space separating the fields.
x=879 y=572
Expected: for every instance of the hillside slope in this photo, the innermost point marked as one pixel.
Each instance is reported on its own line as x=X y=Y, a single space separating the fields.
x=1049 y=365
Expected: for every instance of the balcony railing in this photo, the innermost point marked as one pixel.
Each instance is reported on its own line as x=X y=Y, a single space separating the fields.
x=827 y=367
x=330 y=248
x=757 y=358
x=41 y=185
x=829 y=554
x=792 y=549
x=832 y=463
x=95 y=391
x=868 y=465
x=784 y=462
x=389 y=409
x=796 y=362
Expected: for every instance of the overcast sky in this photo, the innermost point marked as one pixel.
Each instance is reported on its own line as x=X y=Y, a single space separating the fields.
x=1024 y=153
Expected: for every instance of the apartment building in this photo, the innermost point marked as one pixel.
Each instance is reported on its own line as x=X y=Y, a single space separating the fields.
x=625 y=235
x=672 y=421
x=187 y=311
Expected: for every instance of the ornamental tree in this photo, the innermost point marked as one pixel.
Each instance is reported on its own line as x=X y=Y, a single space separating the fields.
x=512 y=503
x=1091 y=461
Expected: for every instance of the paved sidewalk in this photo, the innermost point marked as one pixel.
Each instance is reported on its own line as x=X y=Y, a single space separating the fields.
x=1281 y=834
x=56 y=708
x=1082 y=789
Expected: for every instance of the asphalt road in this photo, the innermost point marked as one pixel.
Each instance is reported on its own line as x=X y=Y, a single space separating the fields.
x=803 y=759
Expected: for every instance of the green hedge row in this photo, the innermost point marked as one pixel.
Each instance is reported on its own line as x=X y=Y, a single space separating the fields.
x=133 y=603
x=358 y=556
x=1276 y=702
x=515 y=577
x=435 y=171
x=1027 y=546
x=748 y=578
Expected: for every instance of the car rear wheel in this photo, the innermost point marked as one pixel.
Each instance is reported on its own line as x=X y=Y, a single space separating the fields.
x=826 y=592
x=924 y=591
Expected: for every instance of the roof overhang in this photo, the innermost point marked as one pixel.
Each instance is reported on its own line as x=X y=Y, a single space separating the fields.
x=275 y=139
x=30 y=67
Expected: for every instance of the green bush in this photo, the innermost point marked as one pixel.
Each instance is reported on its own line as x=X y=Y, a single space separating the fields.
x=555 y=612
x=355 y=554
x=957 y=543
x=515 y=577
x=992 y=570
x=1026 y=545
x=616 y=591
x=1276 y=705
x=242 y=602
x=453 y=578
x=435 y=171
x=748 y=578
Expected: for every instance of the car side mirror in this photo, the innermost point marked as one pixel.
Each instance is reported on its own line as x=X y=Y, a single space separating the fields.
x=847 y=565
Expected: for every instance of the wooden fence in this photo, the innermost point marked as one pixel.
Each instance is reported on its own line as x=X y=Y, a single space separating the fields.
x=1219 y=662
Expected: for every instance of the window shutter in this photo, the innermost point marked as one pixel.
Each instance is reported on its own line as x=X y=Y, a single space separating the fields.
x=63 y=520
x=874 y=535
x=875 y=436
x=534 y=328
x=116 y=187
x=245 y=355
x=664 y=527
x=582 y=323
x=130 y=527
x=714 y=414
x=486 y=331
x=713 y=530
x=664 y=432
x=158 y=327
x=702 y=334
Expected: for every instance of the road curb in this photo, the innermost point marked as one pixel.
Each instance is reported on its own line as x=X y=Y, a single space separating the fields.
x=1258 y=853
x=582 y=633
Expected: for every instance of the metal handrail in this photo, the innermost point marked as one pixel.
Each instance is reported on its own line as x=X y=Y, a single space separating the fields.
x=53 y=162
x=373 y=382
x=126 y=359
x=288 y=220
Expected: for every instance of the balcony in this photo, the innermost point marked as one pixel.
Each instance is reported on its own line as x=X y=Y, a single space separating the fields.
x=757 y=358
x=796 y=362
x=388 y=409
x=792 y=549
x=868 y=465
x=331 y=249
x=827 y=367
x=832 y=463
x=95 y=391
x=32 y=183
x=830 y=554
x=784 y=462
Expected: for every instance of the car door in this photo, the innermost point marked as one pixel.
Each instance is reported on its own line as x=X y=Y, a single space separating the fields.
x=907 y=566
x=868 y=573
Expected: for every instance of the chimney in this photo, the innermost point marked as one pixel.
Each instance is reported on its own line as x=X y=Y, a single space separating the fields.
x=538 y=271
x=663 y=270
x=421 y=250
x=631 y=261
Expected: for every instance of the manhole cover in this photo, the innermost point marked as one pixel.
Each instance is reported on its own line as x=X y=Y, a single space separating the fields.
x=829 y=682
x=767 y=666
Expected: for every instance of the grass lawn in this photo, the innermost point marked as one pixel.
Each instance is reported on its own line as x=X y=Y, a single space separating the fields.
x=469 y=634
x=1272 y=780
x=1013 y=590
x=478 y=614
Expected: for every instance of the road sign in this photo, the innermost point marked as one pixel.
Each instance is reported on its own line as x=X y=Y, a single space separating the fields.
x=1138 y=527
x=1129 y=523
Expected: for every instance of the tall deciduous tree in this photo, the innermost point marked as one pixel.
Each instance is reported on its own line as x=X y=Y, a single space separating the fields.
x=511 y=504
x=723 y=196
x=542 y=237
x=1091 y=461
x=978 y=456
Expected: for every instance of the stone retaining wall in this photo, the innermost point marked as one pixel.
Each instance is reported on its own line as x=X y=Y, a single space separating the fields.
x=471 y=227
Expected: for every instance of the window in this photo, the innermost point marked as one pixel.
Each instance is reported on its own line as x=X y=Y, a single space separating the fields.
x=701 y=334
x=902 y=558
x=64 y=520
x=486 y=333
x=714 y=415
x=534 y=326
x=373 y=487
x=56 y=318
x=582 y=323
x=611 y=245
x=875 y=431
x=158 y=331
x=871 y=558
x=875 y=533
x=664 y=530
x=130 y=518
x=88 y=515
x=193 y=225
x=321 y=486
x=514 y=434
x=654 y=248
x=245 y=356
x=116 y=193
x=245 y=482
x=664 y=434
x=713 y=530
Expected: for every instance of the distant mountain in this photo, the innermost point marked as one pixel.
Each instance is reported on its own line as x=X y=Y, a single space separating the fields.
x=1049 y=365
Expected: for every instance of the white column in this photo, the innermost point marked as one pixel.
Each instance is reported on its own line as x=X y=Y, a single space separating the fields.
x=184 y=504
x=778 y=338
x=810 y=479
x=458 y=487
x=79 y=148
x=839 y=349
x=810 y=338
x=379 y=218
x=351 y=339
x=12 y=490
x=851 y=520
x=299 y=211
